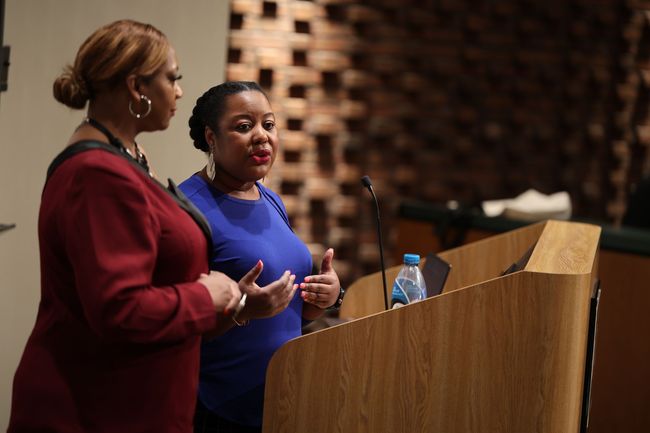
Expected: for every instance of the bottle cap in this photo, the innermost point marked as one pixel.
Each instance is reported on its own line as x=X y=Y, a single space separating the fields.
x=411 y=259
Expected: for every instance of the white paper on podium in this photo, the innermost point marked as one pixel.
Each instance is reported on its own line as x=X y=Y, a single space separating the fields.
x=531 y=205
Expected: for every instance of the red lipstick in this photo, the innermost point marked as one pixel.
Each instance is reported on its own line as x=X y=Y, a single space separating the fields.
x=261 y=157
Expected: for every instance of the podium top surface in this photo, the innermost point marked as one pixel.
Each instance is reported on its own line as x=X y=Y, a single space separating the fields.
x=565 y=248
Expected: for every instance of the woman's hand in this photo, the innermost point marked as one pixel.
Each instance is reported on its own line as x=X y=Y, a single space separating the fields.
x=224 y=291
x=265 y=301
x=321 y=290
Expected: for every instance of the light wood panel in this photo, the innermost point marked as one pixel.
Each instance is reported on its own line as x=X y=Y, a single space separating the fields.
x=564 y=248
x=470 y=264
x=621 y=378
x=505 y=355
x=364 y=296
x=488 y=258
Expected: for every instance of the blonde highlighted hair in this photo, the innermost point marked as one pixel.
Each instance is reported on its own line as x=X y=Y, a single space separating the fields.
x=107 y=57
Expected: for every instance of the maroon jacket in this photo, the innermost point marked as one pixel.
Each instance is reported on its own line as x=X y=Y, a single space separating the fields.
x=115 y=347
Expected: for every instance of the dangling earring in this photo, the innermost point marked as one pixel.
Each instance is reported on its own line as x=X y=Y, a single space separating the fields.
x=210 y=168
x=146 y=113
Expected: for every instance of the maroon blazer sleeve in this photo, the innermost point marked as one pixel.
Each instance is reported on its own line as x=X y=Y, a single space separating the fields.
x=112 y=240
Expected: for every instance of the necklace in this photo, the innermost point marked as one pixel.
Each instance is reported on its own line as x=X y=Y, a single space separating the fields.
x=139 y=157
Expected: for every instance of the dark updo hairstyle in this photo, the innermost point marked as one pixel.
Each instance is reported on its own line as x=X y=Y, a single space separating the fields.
x=210 y=107
x=107 y=57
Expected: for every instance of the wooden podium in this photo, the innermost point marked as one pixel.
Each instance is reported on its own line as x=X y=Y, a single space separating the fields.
x=492 y=353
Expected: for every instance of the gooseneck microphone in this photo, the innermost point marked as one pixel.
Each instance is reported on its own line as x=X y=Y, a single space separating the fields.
x=366 y=182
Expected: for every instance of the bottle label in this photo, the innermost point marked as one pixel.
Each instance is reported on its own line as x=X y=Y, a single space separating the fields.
x=399 y=294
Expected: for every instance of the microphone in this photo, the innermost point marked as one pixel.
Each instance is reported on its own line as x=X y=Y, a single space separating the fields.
x=367 y=183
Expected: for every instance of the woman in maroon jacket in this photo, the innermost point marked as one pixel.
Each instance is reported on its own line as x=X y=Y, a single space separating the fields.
x=126 y=292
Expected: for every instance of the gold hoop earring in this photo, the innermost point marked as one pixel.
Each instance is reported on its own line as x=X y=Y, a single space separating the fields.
x=146 y=113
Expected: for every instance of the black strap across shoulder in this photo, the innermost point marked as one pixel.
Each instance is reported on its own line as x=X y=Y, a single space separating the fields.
x=174 y=192
x=74 y=149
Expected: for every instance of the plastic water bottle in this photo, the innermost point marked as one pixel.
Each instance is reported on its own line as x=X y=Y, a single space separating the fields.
x=409 y=285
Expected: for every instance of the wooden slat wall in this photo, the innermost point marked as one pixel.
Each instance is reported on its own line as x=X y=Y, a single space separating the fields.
x=442 y=100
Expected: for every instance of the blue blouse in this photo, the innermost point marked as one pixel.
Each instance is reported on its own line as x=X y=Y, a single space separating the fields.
x=233 y=366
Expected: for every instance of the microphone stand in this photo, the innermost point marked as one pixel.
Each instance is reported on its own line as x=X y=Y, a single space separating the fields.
x=365 y=181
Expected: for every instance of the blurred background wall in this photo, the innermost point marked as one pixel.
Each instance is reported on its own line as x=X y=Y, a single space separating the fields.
x=44 y=36
x=444 y=100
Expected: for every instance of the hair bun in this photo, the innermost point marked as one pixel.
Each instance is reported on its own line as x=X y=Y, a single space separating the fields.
x=197 y=130
x=71 y=90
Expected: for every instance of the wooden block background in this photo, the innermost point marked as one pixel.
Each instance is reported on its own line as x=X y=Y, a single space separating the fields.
x=445 y=100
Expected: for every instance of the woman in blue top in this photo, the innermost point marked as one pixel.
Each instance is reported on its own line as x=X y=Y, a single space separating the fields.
x=234 y=123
